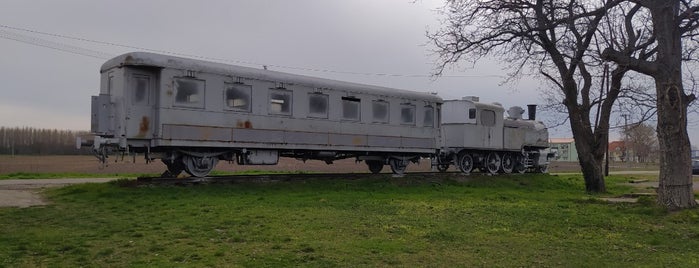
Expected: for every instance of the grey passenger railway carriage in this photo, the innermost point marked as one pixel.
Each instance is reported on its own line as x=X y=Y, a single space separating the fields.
x=191 y=114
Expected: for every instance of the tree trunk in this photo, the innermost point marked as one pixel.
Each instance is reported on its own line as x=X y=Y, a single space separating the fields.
x=590 y=152
x=592 y=172
x=675 y=189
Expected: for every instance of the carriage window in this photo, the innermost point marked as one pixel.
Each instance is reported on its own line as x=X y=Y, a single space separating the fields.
x=350 y=108
x=237 y=97
x=407 y=114
x=488 y=118
x=317 y=105
x=280 y=102
x=380 y=111
x=471 y=113
x=189 y=92
x=429 y=117
x=140 y=94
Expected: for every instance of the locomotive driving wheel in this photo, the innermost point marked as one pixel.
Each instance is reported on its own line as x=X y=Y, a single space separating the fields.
x=493 y=162
x=520 y=166
x=508 y=163
x=375 y=166
x=199 y=166
x=466 y=163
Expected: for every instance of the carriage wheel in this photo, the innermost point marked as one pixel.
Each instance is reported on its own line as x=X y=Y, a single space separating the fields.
x=493 y=163
x=375 y=166
x=199 y=166
x=466 y=163
x=397 y=166
x=508 y=163
x=543 y=169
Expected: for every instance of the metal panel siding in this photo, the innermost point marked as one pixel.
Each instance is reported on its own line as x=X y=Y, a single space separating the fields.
x=417 y=142
x=306 y=138
x=348 y=140
x=382 y=141
x=255 y=135
x=197 y=133
x=101 y=113
x=514 y=138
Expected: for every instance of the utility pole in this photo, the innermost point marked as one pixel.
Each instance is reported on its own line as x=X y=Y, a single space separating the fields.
x=626 y=137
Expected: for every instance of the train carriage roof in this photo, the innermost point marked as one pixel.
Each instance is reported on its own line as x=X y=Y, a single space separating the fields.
x=166 y=61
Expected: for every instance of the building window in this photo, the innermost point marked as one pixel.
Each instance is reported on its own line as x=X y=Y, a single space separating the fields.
x=141 y=93
x=189 y=92
x=407 y=114
x=280 y=101
x=429 y=117
x=238 y=97
x=350 y=108
x=488 y=118
x=317 y=105
x=380 y=111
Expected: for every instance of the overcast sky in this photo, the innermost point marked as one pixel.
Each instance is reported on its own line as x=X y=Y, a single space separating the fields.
x=356 y=41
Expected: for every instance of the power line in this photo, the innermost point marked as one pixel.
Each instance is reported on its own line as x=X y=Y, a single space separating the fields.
x=54 y=45
x=220 y=59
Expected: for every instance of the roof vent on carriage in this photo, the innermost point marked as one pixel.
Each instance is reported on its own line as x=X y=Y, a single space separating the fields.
x=471 y=98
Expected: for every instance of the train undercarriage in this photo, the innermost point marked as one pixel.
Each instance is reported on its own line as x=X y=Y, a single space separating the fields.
x=533 y=160
x=199 y=162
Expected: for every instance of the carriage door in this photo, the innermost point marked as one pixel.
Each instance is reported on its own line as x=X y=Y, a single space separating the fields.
x=141 y=100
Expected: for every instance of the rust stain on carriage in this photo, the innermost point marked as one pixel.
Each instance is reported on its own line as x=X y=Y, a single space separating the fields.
x=358 y=141
x=143 y=126
x=241 y=124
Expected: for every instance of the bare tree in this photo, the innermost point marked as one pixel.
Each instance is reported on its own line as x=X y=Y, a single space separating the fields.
x=557 y=38
x=642 y=142
x=673 y=22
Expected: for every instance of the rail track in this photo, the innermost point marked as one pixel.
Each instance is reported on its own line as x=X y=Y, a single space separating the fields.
x=285 y=177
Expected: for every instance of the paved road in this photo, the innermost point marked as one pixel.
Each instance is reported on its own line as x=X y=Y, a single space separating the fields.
x=25 y=193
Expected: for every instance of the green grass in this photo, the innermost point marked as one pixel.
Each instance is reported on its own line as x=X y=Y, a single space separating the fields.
x=531 y=220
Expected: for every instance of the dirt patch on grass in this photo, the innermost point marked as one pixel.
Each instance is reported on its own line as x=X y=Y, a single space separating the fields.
x=27 y=193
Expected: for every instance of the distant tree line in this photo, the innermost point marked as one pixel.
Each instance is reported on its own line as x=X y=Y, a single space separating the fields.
x=35 y=141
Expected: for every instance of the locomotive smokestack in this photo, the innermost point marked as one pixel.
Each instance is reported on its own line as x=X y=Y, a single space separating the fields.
x=531 y=108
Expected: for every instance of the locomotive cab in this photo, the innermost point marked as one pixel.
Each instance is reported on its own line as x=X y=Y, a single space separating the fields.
x=468 y=123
